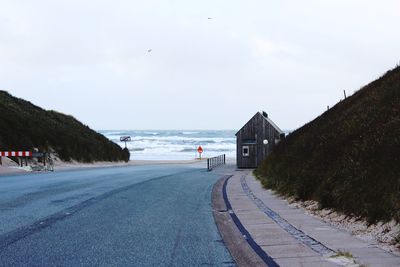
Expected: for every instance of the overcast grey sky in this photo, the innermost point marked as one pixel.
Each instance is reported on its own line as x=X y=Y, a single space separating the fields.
x=90 y=58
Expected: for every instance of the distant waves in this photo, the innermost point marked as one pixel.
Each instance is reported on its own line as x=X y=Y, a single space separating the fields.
x=177 y=145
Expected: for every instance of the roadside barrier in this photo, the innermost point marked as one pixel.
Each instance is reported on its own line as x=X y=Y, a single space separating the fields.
x=18 y=154
x=23 y=156
x=15 y=154
x=215 y=162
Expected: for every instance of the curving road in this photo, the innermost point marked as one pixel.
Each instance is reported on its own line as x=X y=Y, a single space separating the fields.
x=154 y=215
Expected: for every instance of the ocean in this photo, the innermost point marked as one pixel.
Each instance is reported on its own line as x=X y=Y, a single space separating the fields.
x=175 y=144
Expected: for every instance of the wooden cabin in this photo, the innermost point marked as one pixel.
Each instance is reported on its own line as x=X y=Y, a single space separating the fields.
x=256 y=140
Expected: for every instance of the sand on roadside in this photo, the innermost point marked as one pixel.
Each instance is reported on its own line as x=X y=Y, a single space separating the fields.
x=60 y=165
x=9 y=167
x=383 y=234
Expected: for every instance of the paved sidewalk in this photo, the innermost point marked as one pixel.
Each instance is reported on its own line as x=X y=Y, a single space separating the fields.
x=291 y=237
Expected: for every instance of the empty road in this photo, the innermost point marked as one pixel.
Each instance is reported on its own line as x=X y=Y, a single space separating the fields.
x=152 y=215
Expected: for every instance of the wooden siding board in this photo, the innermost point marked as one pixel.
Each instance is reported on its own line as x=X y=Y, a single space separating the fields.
x=259 y=129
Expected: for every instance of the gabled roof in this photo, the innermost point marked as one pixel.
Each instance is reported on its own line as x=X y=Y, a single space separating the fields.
x=266 y=118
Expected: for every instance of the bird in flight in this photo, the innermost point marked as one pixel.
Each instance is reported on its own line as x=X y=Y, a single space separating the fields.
x=149 y=50
x=209 y=18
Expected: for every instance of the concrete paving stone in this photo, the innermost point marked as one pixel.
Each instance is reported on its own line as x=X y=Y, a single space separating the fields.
x=338 y=245
x=244 y=200
x=250 y=217
x=312 y=228
x=270 y=228
x=250 y=222
x=251 y=214
x=263 y=239
x=235 y=193
x=271 y=203
x=285 y=212
x=288 y=251
x=289 y=210
x=243 y=211
x=378 y=262
x=302 y=222
x=244 y=206
x=333 y=240
x=273 y=235
x=319 y=228
x=305 y=262
x=371 y=252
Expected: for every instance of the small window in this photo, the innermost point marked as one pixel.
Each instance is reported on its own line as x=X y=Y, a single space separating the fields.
x=245 y=151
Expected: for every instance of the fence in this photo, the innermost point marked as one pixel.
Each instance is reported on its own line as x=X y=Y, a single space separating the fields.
x=215 y=162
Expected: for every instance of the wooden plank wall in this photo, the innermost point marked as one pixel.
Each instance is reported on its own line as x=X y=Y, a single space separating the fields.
x=257 y=128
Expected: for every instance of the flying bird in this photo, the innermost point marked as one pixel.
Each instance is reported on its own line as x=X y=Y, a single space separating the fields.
x=210 y=18
x=149 y=50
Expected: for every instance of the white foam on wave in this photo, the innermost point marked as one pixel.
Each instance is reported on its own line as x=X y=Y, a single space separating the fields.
x=176 y=144
x=187 y=133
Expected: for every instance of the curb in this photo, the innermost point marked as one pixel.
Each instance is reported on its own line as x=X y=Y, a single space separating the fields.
x=240 y=244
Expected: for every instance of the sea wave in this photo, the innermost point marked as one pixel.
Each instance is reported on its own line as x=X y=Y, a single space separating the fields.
x=188 y=133
x=175 y=144
x=135 y=149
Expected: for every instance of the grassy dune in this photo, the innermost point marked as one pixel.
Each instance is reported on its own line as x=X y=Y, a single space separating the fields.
x=348 y=158
x=24 y=126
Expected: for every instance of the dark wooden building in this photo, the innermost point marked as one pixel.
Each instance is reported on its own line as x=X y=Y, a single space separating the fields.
x=256 y=140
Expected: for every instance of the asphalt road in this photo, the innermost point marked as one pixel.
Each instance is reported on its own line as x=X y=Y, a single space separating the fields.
x=156 y=215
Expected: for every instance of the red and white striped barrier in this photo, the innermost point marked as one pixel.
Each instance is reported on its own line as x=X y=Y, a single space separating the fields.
x=15 y=154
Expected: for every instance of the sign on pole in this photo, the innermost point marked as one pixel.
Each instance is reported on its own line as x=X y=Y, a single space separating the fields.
x=200 y=150
x=125 y=139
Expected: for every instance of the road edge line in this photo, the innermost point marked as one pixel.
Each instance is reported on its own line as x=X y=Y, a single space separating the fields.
x=242 y=247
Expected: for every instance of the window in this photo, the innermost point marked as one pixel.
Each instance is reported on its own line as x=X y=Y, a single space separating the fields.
x=245 y=151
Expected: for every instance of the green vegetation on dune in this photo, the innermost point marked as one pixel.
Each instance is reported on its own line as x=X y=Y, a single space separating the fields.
x=24 y=126
x=348 y=158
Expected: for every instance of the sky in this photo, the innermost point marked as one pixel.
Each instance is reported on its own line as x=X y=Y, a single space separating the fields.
x=184 y=64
